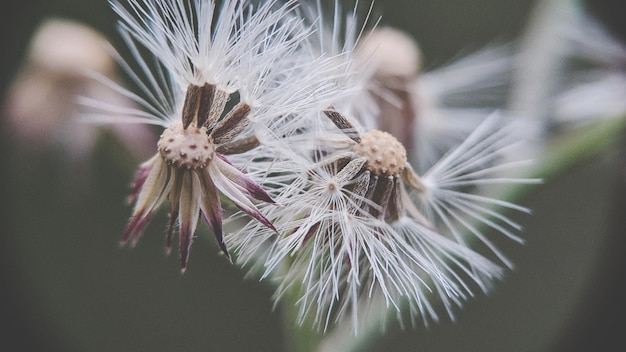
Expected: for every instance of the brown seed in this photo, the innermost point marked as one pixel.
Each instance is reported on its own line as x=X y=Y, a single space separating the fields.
x=180 y=147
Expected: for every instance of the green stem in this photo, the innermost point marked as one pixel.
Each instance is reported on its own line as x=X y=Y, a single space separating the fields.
x=298 y=337
x=578 y=146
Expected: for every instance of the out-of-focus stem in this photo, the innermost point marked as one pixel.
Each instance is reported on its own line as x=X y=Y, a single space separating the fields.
x=539 y=66
x=298 y=338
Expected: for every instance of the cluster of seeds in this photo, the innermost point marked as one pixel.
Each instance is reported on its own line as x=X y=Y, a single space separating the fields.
x=384 y=154
x=189 y=148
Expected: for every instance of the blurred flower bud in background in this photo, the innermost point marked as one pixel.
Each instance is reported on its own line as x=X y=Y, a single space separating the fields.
x=395 y=58
x=40 y=107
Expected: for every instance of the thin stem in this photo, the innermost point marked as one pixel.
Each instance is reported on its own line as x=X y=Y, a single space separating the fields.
x=539 y=64
x=298 y=337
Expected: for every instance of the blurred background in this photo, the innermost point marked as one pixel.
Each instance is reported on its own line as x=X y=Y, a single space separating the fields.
x=67 y=286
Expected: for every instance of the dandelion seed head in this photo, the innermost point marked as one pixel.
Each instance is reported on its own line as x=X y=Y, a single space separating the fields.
x=193 y=57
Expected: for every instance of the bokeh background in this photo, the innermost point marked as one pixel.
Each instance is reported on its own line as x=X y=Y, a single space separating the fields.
x=65 y=285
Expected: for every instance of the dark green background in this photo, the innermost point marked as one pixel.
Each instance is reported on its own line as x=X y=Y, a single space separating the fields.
x=66 y=286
